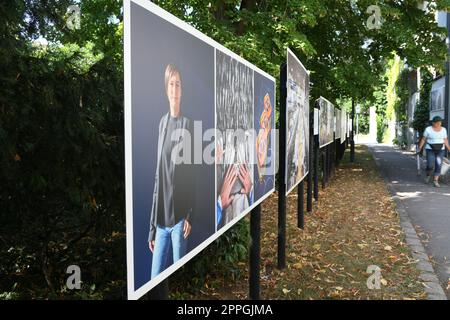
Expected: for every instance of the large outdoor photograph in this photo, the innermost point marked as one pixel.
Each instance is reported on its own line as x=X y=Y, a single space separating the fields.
x=199 y=128
x=344 y=126
x=326 y=122
x=172 y=91
x=235 y=140
x=297 y=120
x=338 y=114
x=264 y=122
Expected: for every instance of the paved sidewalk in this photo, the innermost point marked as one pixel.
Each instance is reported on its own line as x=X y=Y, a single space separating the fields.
x=427 y=208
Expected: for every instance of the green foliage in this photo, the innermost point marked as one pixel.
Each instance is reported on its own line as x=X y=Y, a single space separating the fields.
x=61 y=132
x=363 y=124
x=394 y=73
x=381 y=103
x=402 y=96
x=226 y=253
x=382 y=125
x=389 y=97
x=9 y=296
x=400 y=105
x=422 y=112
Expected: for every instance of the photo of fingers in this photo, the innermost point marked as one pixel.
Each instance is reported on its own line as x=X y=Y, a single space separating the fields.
x=235 y=138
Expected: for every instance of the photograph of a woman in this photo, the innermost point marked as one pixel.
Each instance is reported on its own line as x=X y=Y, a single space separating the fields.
x=264 y=123
x=172 y=208
x=263 y=136
x=190 y=143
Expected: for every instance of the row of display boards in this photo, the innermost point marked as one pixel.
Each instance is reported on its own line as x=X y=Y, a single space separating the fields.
x=200 y=141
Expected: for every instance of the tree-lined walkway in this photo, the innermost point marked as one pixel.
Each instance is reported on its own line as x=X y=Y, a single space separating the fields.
x=427 y=207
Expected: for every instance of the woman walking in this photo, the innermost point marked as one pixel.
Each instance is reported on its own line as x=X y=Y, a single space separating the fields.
x=436 y=139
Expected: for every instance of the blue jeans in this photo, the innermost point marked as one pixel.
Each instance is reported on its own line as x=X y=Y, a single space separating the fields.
x=436 y=160
x=164 y=238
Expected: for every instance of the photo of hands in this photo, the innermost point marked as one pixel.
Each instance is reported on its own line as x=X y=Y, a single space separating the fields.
x=235 y=138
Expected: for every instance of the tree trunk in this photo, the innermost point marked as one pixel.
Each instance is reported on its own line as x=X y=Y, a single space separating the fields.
x=248 y=5
x=220 y=12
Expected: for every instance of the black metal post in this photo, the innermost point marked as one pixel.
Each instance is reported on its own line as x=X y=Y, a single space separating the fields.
x=338 y=153
x=324 y=168
x=160 y=292
x=352 y=134
x=282 y=172
x=337 y=156
x=330 y=161
x=332 y=158
x=309 y=191
x=316 y=168
x=327 y=155
x=301 y=205
x=255 y=253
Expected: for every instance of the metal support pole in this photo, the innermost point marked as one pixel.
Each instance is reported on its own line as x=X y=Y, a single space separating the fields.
x=316 y=168
x=324 y=168
x=301 y=205
x=331 y=161
x=328 y=155
x=309 y=191
x=255 y=253
x=352 y=134
x=282 y=173
x=160 y=292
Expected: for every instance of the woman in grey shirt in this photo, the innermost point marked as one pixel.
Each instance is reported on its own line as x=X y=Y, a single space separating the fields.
x=171 y=214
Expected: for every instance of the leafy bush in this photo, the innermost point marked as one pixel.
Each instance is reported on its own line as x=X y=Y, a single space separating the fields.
x=422 y=112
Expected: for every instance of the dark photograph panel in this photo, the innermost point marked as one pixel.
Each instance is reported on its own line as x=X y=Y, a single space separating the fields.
x=235 y=138
x=264 y=122
x=172 y=81
x=297 y=120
